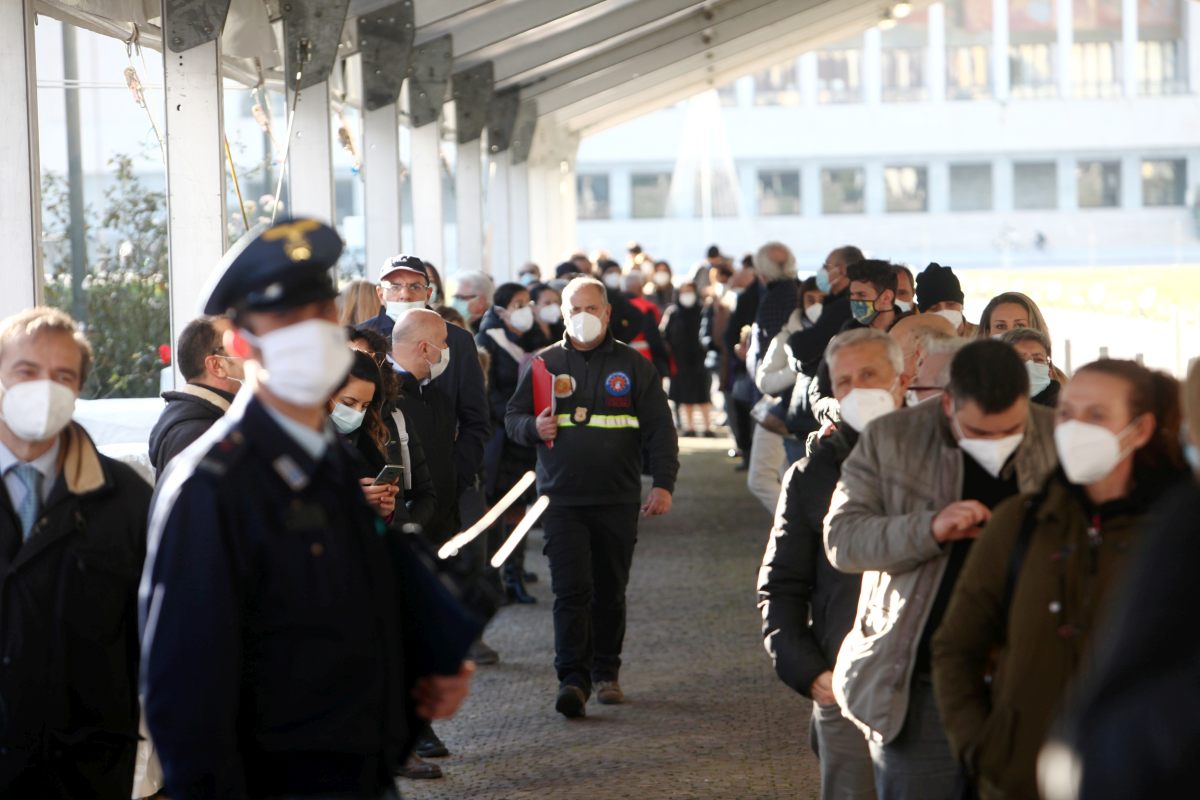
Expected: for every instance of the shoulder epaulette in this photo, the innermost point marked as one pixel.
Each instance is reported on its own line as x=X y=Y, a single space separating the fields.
x=223 y=454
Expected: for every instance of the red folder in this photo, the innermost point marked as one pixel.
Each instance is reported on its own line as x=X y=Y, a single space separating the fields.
x=543 y=390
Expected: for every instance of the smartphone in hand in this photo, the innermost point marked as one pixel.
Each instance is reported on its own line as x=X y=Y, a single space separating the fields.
x=389 y=474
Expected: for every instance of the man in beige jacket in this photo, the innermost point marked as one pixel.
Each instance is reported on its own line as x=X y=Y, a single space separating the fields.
x=914 y=493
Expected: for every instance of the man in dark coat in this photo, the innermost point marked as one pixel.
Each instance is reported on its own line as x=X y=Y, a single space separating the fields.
x=278 y=659
x=807 y=605
x=213 y=378
x=72 y=541
x=808 y=346
x=404 y=284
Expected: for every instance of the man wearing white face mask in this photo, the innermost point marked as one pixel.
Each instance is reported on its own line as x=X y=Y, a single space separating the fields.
x=939 y=292
x=610 y=408
x=808 y=606
x=404 y=284
x=264 y=555
x=916 y=490
x=72 y=540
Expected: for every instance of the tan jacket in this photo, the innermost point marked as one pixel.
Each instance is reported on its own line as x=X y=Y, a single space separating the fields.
x=906 y=468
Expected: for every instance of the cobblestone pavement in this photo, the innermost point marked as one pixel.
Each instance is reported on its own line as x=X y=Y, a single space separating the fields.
x=705 y=716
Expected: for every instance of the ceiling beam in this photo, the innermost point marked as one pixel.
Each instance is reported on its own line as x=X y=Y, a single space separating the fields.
x=660 y=92
x=691 y=27
x=758 y=26
x=555 y=47
x=489 y=27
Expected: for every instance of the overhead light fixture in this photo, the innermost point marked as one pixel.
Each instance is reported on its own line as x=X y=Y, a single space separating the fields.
x=901 y=10
x=887 y=23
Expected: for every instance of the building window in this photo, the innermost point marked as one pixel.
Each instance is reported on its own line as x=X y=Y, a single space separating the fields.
x=591 y=192
x=1161 y=62
x=1032 y=53
x=778 y=85
x=1098 y=184
x=968 y=49
x=1096 y=53
x=839 y=72
x=650 y=191
x=903 y=50
x=720 y=185
x=842 y=190
x=906 y=189
x=970 y=187
x=1164 y=182
x=1035 y=186
x=778 y=192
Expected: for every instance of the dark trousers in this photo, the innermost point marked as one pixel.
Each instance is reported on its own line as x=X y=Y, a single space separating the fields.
x=590 y=550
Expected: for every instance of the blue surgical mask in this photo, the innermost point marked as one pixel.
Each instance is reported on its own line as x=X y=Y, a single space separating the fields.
x=1039 y=377
x=462 y=306
x=346 y=419
x=823 y=281
x=903 y=306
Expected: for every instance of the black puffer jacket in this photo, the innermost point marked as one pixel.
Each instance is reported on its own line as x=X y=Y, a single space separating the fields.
x=796 y=581
x=188 y=414
x=69 y=631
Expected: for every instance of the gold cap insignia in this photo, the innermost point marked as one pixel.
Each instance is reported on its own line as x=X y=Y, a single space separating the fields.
x=296 y=244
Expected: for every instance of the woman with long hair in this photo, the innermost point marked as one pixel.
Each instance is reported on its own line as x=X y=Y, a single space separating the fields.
x=357 y=303
x=1024 y=610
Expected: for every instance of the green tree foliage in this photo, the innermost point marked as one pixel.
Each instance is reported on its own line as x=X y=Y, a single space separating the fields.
x=125 y=290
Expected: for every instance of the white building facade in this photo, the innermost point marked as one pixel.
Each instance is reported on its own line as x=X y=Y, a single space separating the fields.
x=978 y=133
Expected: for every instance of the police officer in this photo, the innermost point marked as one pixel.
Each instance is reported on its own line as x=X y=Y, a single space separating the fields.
x=610 y=406
x=274 y=663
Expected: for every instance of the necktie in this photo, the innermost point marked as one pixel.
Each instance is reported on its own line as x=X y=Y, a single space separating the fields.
x=31 y=504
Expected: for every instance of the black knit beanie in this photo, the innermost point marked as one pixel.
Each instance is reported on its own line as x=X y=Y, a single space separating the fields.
x=937 y=284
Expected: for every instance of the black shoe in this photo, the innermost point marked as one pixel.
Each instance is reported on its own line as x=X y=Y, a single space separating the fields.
x=482 y=655
x=571 y=702
x=430 y=746
x=417 y=770
x=709 y=434
x=530 y=577
x=514 y=585
x=688 y=433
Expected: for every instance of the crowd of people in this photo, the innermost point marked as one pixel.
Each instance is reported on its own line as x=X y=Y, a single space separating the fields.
x=964 y=542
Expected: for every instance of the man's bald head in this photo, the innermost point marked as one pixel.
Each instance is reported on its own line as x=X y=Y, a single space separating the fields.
x=416 y=337
x=911 y=332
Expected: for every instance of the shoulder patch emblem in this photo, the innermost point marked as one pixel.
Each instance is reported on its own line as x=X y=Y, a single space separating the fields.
x=618 y=384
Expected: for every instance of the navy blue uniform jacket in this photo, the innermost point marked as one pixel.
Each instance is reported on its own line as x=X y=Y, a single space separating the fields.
x=272 y=658
x=615 y=409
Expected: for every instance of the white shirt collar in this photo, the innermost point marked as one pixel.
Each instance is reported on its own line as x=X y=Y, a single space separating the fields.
x=46 y=463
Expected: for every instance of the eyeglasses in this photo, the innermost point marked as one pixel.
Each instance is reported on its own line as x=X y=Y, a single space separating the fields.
x=1037 y=359
x=927 y=388
x=398 y=287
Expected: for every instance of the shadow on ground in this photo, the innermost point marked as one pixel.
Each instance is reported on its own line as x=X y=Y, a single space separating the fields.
x=705 y=718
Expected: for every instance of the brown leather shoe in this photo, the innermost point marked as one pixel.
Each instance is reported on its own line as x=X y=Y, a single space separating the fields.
x=608 y=693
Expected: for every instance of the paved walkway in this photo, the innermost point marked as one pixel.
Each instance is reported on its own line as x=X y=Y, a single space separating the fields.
x=705 y=715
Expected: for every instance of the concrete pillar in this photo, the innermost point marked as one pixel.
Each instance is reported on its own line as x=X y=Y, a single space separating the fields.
x=1129 y=48
x=520 y=246
x=808 y=80
x=1131 y=181
x=1002 y=185
x=428 y=217
x=1068 y=186
x=937 y=53
x=468 y=203
x=874 y=194
x=310 y=157
x=872 y=67
x=1001 y=79
x=381 y=184
x=195 y=131
x=498 y=220
x=939 y=187
x=20 y=170
x=541 y=224
x=1065 y=29
x=620 y=193
x=810 y=190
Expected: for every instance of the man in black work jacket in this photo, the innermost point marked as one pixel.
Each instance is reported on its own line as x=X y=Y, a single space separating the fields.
x=277 y=656
x=808 y=606
x=610 y=406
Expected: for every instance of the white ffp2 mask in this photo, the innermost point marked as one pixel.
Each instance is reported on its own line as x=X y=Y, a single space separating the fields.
x=37 y=410
x=304 y=362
